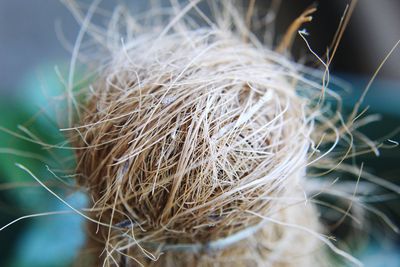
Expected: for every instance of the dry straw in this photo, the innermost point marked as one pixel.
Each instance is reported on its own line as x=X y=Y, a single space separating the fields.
x=196 y=140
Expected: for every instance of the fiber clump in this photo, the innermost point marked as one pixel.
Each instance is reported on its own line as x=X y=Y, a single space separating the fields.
x=194 y=144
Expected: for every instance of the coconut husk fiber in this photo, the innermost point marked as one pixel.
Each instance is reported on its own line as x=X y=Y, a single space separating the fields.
x=194 y=145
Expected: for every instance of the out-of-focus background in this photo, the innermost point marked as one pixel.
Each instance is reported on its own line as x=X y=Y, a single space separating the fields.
x=35 y=42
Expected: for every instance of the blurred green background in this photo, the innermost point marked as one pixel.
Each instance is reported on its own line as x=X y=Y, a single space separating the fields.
x=30 y=48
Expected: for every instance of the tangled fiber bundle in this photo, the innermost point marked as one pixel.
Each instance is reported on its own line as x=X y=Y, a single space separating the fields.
x=194 y=146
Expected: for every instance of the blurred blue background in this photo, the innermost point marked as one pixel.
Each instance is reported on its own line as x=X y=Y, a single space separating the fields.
x=32 y=43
